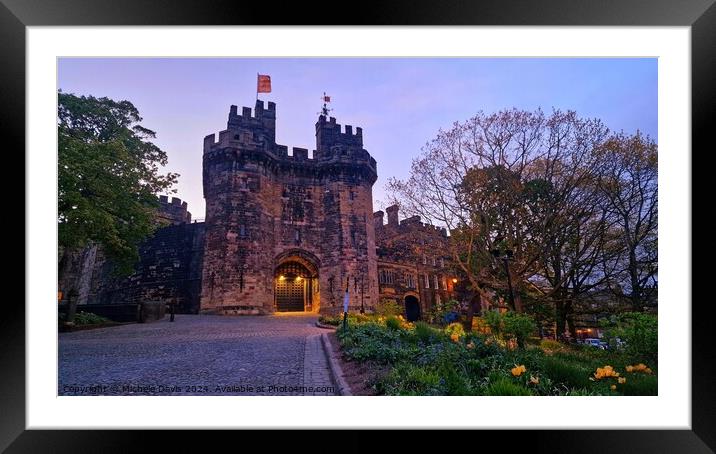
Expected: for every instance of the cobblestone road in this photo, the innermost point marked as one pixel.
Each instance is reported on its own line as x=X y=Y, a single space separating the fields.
x=197 y=355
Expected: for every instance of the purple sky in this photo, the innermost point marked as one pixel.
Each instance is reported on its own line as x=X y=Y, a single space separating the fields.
x=400 y=102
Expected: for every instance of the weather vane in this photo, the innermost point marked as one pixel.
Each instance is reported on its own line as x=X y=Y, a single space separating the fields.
x=325 y=109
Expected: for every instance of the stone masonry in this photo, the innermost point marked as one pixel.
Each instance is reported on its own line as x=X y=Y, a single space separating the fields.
x=267 y=208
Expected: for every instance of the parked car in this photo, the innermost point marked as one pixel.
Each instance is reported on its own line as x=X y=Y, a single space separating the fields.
x=594 y=342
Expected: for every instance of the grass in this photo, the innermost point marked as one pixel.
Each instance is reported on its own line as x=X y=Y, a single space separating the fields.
x=427 y=360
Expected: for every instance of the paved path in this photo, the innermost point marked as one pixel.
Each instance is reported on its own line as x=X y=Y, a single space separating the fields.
x=197 y=355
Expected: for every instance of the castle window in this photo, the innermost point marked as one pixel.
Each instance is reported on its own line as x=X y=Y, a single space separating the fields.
x=352 y=195
x=409 y=282
x=353 y=237
x=242 y=231
x=427 y=281
x=435 y=280
x=434 y=262
x=425 y=259
x=443 y=281
x=297 y=236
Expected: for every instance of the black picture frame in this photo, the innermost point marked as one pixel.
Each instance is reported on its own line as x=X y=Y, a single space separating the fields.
x=16 y=15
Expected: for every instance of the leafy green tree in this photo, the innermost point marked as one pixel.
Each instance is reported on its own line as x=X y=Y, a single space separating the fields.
x=108 y=178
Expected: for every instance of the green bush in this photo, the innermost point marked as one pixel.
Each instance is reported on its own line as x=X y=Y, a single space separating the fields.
x=494 y=321
x=424 y=332
x=388 y=307
x=639 y=333
x=393 y=323
x=88 y=318
x=518 y=326
x=504 y=387
x=333 y=321
x=441 y=312
x=551 y=345
x=374 y=342
x=455 y=328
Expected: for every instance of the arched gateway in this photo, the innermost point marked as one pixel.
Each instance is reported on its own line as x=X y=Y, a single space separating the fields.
x=296 y=282
x=412 y=308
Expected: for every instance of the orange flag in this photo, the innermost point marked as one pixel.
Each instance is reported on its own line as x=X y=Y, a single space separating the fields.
x=263 y=84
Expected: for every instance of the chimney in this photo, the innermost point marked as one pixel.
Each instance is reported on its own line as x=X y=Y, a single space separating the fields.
x=378 y=219
x=392 y=215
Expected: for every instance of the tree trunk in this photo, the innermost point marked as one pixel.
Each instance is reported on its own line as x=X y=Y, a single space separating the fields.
x=561 y=320
x=636 y=302
x=570 y=325
x=471 y=312
x=518 y=299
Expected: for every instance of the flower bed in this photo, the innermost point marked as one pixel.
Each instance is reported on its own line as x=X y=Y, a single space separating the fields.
x=425 y=360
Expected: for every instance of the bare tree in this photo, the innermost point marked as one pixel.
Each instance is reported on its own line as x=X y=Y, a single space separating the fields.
x=629 y=181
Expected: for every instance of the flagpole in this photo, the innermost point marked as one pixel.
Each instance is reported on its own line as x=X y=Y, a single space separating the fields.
x=257 y=86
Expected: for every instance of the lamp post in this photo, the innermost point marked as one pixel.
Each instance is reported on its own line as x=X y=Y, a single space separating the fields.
x=505 y=256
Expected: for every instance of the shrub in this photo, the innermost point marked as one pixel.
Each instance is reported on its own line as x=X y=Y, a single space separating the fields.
x=494 y=322
x=639 y=333
x=505 y=387
x=455 y=328
x=388 y=308
x=550 y=345
x=88 y=318
x=518 y=326
x=370 y=341
x=393 y=323
x=333 y=321
x=445 y=313
x=424 y=332
x=479 y=325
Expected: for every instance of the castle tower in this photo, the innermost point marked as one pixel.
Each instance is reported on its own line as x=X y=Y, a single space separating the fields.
x=287 y=232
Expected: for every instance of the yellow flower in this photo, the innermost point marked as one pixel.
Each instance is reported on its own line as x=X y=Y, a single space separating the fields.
x=613 y=387
x=534 y=380
x=629 y=369
x=622 y=380
x=518 y=370
x=455 y=337
x=647 y=370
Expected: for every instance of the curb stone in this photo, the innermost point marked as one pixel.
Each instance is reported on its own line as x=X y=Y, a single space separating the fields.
x=335 y=368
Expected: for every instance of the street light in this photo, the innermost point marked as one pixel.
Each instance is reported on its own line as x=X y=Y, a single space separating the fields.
x=506 y=255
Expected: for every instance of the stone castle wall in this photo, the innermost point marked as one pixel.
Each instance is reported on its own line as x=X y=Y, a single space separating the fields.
x=413 y=259
x=168 y=270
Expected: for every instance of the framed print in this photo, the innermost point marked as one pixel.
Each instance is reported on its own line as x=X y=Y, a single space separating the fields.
x=471 y=243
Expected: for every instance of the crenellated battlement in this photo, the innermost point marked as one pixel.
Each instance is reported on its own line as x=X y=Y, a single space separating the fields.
x=332 y=137
x=260 y=125
x=174 y=211
x=411 y=224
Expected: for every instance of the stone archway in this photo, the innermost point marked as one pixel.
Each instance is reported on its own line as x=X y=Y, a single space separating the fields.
x=412 y=308
x=296 y=282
